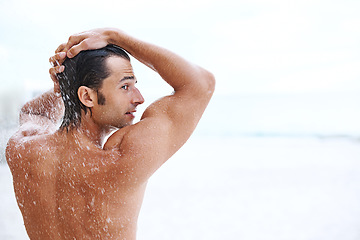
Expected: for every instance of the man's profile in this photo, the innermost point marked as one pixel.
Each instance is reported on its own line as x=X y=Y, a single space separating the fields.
x=76 y=182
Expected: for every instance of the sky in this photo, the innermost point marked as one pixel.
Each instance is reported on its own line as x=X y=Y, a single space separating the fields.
x=253 y=47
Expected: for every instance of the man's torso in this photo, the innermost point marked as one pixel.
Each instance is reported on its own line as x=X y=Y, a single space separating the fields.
x=66 y=189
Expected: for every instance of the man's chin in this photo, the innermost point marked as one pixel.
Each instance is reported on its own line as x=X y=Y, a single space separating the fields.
x=123 y=125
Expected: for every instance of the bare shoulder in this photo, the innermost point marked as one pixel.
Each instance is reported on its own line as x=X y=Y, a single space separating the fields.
x=146 y=145
x=32 y=128
x=164 y=128
x=23 y=145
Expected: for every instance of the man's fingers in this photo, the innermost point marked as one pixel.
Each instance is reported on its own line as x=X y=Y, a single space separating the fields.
x=55 y=70
x=75 y=49
x=74 y=41
x=60 y=48
x=84 y=41
x=88 y=40
x=57 y=59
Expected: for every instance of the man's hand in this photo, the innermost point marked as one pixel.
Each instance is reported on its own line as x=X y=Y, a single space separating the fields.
x=57 y=67
x=88 y=40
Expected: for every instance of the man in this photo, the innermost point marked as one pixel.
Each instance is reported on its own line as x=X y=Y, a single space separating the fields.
x=69 y=182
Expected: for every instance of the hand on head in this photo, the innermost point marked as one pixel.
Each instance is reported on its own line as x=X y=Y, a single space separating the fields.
x=56 y=68
x=93 y=39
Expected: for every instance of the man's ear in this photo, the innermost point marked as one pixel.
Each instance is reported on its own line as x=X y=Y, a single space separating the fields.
x=87 y=96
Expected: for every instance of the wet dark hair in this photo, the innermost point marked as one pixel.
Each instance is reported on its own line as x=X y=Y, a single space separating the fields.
x=89 y=69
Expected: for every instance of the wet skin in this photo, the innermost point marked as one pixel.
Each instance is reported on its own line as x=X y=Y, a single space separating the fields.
x=72 y=185
x=67 y=186
x=83 y=192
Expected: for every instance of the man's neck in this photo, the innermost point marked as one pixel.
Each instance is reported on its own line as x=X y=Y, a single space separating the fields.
x=91 y=132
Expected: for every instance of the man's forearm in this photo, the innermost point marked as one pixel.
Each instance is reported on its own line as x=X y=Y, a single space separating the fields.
x=175 y=70
x=49 y=105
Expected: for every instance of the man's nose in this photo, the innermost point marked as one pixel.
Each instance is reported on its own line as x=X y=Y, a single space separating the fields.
x=138 y=98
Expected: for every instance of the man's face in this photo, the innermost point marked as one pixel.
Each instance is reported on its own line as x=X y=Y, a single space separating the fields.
x=121 y=95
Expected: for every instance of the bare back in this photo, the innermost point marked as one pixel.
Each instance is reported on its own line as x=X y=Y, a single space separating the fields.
x=68 y=191
x=66 y=186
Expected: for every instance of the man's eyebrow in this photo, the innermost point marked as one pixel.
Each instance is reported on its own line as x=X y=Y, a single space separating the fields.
x=126 y=78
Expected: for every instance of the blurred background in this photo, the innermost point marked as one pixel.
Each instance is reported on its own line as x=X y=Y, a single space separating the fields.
x=282 y=67
x=287 y=99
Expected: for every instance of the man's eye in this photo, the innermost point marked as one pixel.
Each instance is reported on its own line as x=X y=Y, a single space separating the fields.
x=125 y=87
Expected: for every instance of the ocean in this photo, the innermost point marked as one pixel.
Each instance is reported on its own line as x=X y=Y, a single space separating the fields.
x=246 y=188
x=257 y=167
x=301 y=114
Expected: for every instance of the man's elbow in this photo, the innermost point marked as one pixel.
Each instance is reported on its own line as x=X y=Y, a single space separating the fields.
x=211 y=82
x=208 y=80
x=201 y=84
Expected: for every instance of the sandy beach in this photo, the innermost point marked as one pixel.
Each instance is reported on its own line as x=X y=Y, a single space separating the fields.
x=242 y=188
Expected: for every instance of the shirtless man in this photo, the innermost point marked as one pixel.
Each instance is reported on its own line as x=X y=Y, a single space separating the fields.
x=72 y=183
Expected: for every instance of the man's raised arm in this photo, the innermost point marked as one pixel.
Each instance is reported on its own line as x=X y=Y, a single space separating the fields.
x=178 y=72
x=167 y=123
x=47 y=106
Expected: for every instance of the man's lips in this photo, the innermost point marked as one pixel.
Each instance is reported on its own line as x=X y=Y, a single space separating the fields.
x=131 y=112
